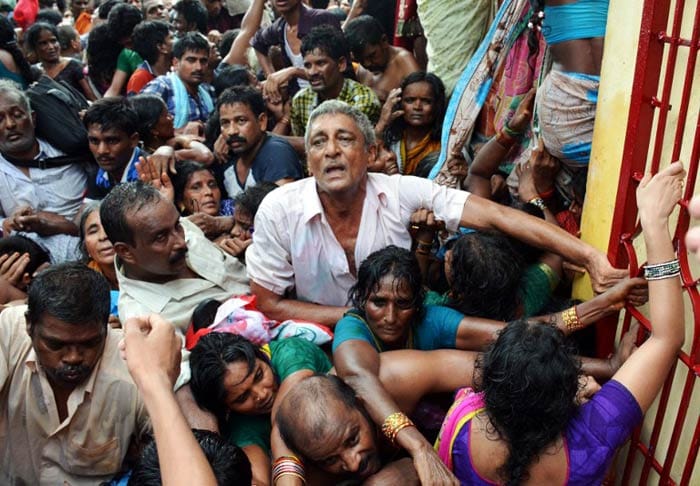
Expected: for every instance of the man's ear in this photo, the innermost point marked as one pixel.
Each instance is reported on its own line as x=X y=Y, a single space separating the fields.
x=262 y=121
x=134 y=139
x=175 y=62
x=371 y=154
x=124 y=252
x=342 y=64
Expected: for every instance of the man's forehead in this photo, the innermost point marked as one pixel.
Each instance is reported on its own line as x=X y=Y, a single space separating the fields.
x=237 y=107
x=10 y=100
x=190 y=53
x=334 y=122
x=96 y=130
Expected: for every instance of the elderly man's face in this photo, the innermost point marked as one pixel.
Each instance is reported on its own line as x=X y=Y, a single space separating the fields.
x=349 y=446
x=16 y=126
x=67 y=352
x=337 y=155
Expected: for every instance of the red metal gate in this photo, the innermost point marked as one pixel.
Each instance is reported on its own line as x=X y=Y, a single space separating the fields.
x=660 y=39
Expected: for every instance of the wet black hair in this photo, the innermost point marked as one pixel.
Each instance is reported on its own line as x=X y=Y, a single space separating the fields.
x=21 y=244
x=242 y=94
x=112 y=113
x=194 y=12
x=250 y=199
x=229 y=76
x=529 y=377
x=392 y=260
x=8 y=42
x=191 y=41
x=122 y=200
x=363 y=31
x=102 y=55
x=71 y=292
x=486 y=272
x=148 y=108
x=122 y=20
x=229 y=463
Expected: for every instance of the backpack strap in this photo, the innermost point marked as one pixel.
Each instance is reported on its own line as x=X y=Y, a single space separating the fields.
x=48 y=163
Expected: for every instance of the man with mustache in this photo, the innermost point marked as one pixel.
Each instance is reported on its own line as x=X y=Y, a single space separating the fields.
x=38 y=197
x=189 y=99
x=166 y=265
x=68 y=408
x=325 y=60
x=255 y=156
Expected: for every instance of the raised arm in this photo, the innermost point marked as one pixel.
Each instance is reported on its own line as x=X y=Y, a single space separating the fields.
x=249 y=26
x=644 y=372
x=152 y=353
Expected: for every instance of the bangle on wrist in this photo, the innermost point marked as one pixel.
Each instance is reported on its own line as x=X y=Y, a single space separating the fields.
x=660 y=271
x=539 y=202
x=288 y=466
x=571 y=319
x=394 y=424
x=510 y=132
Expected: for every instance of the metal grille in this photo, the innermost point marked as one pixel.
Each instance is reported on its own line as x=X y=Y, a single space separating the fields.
x=658 y=90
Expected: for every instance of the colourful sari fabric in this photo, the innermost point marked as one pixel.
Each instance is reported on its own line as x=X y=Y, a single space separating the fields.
x=490 y=89
x=408 y=160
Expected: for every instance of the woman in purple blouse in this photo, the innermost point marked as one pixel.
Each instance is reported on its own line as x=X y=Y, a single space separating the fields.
x=523 y=424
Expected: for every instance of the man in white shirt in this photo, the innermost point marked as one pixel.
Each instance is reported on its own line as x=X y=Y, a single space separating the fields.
x=38 y=198
x=311 y=235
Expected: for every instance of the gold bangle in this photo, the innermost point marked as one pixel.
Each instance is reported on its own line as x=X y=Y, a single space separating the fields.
x=571 y=319
x=394 y=424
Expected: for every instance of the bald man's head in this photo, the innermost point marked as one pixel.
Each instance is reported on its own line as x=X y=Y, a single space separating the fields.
x=322 y=419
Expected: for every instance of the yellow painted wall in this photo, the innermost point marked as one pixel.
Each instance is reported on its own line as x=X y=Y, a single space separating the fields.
x=611 y=120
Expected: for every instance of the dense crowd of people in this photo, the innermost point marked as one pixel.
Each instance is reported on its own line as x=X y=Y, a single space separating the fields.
x=223 y=259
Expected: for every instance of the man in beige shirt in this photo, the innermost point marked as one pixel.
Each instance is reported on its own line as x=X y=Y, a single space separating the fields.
x=165 y=265
x=68 y=407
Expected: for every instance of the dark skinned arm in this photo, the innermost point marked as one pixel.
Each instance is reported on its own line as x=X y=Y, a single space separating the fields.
x=279 y=308
x=358 y=363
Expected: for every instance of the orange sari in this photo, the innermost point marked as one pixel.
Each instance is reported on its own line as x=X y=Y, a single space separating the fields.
x=412 y=157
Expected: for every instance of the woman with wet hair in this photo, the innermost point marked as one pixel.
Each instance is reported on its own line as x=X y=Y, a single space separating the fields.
x=523 y=424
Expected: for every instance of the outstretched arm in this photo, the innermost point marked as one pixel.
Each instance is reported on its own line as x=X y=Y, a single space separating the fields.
x=482 y=214
x=644 y=372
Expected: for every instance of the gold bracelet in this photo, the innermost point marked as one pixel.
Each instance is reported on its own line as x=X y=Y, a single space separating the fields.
x=571 y=319
x=394 y=424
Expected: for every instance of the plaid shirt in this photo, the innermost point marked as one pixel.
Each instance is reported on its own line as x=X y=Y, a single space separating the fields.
x=353 y=93
x=162 y=86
